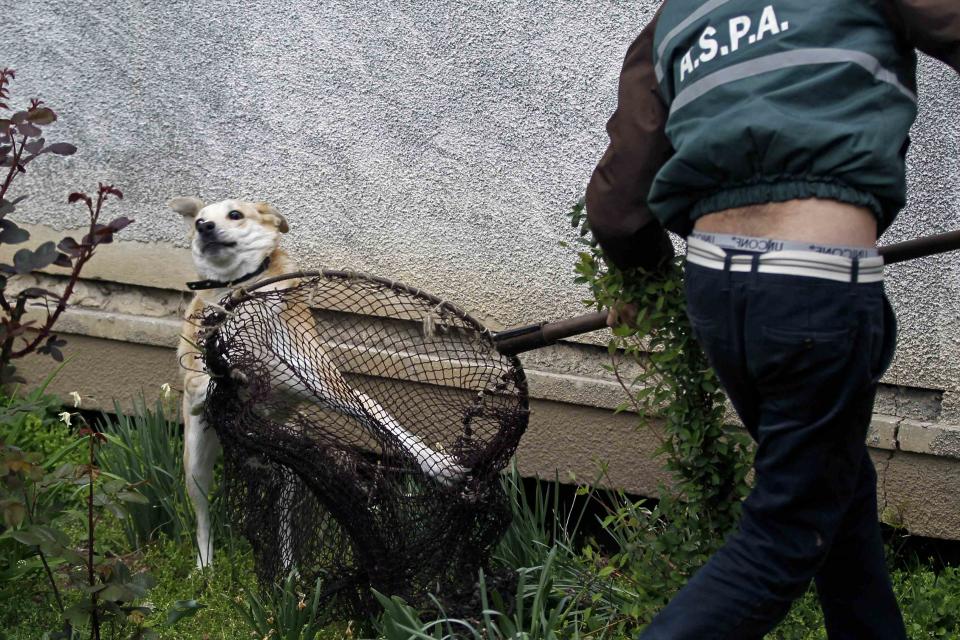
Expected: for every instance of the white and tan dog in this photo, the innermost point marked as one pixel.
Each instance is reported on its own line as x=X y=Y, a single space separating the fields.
x=236 y=243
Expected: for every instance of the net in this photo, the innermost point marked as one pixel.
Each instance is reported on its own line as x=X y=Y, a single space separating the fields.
x=364 y=425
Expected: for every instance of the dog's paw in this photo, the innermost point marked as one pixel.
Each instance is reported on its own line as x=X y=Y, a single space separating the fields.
x=445 y=470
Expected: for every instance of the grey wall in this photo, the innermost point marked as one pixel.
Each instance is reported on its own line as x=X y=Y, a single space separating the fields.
x=435 y=142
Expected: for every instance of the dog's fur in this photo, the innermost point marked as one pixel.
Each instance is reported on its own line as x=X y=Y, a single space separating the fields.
x=229 y=240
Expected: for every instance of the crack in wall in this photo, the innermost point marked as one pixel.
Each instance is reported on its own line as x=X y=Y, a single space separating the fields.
x=885 y=472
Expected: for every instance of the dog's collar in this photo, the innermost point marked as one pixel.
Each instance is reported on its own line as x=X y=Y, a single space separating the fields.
x=197 y=285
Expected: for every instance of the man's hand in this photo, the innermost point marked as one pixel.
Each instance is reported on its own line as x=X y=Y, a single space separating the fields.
x=622 y=313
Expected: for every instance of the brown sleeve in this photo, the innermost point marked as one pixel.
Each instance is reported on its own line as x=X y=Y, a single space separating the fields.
x=617 y=194
x=932 y=26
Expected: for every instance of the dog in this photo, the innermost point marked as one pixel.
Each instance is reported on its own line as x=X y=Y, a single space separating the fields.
x=237 y=243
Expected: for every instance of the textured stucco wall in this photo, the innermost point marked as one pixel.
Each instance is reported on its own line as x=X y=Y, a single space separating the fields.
x=435 y=142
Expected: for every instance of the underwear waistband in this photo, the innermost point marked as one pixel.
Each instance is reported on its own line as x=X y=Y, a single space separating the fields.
x=763 y=245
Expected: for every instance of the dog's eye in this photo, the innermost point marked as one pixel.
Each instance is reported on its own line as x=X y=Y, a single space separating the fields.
x=235 y=215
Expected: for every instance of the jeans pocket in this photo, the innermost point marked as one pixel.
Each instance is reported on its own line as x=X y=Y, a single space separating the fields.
x=798 y=370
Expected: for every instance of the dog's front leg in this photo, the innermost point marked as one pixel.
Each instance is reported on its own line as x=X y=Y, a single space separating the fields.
x=302 y=372
x=200 y=449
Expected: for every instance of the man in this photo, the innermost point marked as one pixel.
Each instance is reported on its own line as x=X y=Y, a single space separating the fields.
x=773 y=136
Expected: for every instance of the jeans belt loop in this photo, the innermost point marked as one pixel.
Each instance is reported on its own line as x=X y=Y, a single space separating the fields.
x=854 y=269
x=727 y=263
x=755 y=268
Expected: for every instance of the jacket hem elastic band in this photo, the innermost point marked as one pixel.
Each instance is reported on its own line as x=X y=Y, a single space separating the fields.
x=781 y=191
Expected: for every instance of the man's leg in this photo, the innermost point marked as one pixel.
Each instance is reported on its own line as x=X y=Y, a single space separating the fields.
x=804 y=351
x=853 y=584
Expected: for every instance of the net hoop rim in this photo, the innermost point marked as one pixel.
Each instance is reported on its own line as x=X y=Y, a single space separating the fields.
x=242 y=294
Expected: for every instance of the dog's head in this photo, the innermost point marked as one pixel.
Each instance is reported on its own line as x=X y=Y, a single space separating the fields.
x=230 y=238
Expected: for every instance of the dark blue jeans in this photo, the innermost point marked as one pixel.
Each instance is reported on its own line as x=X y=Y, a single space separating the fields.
x=800 y=359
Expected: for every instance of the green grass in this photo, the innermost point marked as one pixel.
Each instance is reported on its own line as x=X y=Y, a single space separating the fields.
x=567 y=588
x=930 y=598
x=27 y=609
x=146 y=449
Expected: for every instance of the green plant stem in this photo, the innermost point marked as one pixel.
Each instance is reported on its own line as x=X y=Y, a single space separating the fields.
x=53 y=583
x=31 y=508
x=94 y=619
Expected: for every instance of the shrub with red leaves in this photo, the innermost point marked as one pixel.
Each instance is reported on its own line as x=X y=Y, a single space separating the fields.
x=22 y=142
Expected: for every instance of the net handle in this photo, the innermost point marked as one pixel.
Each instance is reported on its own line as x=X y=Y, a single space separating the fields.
x=535 y=336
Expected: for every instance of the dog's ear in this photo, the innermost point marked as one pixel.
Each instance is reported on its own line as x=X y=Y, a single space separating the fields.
x=268 y=210
x=187 y=207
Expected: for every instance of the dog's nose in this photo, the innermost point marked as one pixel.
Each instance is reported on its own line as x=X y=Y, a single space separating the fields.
x=205 y=226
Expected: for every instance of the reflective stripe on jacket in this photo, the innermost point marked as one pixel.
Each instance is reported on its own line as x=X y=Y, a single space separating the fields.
x=727 y=103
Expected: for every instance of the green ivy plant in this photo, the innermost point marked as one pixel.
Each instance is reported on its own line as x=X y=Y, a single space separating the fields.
x=677 y=397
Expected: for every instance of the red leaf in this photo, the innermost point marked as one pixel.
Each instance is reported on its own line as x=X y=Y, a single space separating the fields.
x=60 y=149
x=110 y=189
x=34 y=146
x=37 y=292
x=42 y=115
x=69 y=245
x=76 y=196
x=28 y=129
x=119 y=223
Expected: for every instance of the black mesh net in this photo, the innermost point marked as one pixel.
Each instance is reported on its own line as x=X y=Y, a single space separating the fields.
x=364 y=425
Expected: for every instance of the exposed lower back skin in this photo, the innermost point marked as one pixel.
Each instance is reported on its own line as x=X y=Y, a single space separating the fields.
x=809 y=220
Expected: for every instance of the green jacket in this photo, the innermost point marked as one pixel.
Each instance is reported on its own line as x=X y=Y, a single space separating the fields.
x=729 y=103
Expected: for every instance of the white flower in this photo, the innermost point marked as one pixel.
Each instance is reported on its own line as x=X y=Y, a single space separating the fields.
x=165 y=390
x=76 y=398
x=65 y=418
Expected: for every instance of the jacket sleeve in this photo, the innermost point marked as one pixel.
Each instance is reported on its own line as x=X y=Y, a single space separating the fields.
x=617 y=194
x=932 y=26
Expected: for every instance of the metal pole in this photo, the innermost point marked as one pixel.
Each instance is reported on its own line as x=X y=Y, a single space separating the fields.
x=534 y=336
